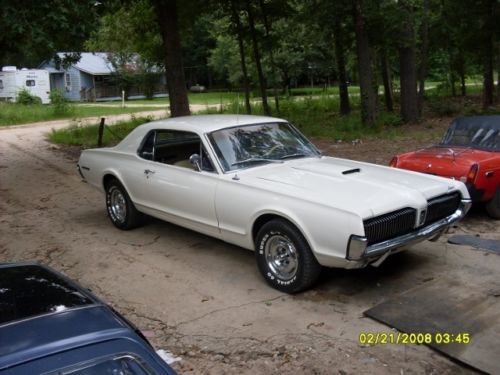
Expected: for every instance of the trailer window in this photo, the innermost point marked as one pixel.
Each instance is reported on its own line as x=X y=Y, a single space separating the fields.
x=30 y=82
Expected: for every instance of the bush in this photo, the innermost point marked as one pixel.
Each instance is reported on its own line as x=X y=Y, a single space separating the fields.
x=443 y=106
x=60 y=103
x=24 y=97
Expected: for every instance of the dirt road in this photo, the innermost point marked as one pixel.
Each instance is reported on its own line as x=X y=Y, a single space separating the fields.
x=203 y=299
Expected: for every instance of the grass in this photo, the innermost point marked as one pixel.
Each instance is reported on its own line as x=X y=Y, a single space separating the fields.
x=316 y=115
x=11 y=113
x=86 y=136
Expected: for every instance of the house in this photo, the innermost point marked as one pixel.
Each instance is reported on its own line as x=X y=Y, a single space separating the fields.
x=94 y=78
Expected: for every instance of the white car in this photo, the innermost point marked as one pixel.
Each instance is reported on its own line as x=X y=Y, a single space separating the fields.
x=257 y=182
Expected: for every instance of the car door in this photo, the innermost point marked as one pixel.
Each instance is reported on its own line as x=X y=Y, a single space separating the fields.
x=176 y=191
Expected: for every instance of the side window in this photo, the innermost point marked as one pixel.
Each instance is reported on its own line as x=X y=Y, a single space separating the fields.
x=67 y=81
x=147 y=149
x=175 y=147
x=30 y=83
x=1 y=84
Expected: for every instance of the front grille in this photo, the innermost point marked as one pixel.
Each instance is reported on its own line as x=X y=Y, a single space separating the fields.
x=390 y=225
x=441 y=207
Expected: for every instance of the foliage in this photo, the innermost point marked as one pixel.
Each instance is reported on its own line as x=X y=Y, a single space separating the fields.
x=24 y=97
x=60 y=104
x=32 y=31
x=86 y=136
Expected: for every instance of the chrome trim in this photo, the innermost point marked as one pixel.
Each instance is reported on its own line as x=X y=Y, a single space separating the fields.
x=80 y=172
x=421 y=234
x=356 y=247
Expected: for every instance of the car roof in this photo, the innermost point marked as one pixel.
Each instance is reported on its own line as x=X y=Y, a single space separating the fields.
x=28 y=290
x=50 y=334
x=42 y=312
x=199 y=124
x=208 y=123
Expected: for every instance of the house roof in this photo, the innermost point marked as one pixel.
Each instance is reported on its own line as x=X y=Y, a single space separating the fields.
x=92 y=63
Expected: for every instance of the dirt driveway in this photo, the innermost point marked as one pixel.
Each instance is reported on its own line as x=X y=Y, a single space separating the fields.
x=204 y=300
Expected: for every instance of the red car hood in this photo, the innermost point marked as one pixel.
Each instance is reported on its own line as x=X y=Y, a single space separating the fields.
x=443 y=161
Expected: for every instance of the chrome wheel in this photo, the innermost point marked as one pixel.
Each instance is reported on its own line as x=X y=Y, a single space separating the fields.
x=117 y=205
x=281 y=257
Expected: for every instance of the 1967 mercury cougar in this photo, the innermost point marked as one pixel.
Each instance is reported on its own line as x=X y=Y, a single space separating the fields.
x=257 y=182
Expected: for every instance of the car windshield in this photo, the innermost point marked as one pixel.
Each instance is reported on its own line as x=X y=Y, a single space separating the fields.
x=482 y=132
x=250 y=145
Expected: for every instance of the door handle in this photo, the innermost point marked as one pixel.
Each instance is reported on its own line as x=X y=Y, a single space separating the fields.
x=147 y=172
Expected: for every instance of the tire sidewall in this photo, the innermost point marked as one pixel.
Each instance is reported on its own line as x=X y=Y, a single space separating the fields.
x=308 y=269
x=493 y=206
x=109 y=190
x=263 y=238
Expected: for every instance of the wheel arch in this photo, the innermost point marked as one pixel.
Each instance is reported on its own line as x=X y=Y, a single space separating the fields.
x=266 y=217
x=107 y=178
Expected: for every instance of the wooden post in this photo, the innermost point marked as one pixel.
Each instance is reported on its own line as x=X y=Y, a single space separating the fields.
x=101 y=130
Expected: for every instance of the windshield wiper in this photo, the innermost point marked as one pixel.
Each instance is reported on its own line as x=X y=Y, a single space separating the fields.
x=256 y=160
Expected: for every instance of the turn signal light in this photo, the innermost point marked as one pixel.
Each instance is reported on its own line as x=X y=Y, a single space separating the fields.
x=471 y=176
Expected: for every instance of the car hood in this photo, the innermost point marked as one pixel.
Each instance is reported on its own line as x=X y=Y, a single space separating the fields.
x=443 y=161
x=362 y=188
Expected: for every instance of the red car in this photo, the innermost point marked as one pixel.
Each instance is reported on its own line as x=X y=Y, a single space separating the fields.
x=469 y=152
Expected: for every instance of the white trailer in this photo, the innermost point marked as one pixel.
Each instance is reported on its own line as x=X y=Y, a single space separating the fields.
x=36 y=81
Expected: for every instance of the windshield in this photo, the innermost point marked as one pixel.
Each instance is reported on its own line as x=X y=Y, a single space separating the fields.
x=251 y=145
x=482 y=132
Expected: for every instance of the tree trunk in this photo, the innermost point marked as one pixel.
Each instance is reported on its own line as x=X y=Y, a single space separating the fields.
x=487 y=55
x=424 y=52
x=166 y=12
x=386 y=78
x=345 y=107
x=461 y=72
x=267 y=27
x=239 y=32
x=363 y=50
x=488 y=85
x=408 y=73
x=498 y=72
x=256 y=50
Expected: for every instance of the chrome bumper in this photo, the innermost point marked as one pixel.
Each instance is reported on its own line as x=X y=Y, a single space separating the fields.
x=357 y=249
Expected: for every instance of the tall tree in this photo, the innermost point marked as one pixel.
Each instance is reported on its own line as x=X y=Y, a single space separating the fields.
x=339 y=39
x=364 y=54
x=488 y=43
x=166 y=13
x=407 y=64
x=257 y=57
x=424 y=52
x=235 y=17
x=32 y=31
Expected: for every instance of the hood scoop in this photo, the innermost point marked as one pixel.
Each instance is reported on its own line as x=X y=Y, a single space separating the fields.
x=350 y=171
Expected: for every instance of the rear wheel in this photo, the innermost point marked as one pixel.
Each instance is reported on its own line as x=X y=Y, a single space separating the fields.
x=121 y=210
x=284 y=257
x=493 y=206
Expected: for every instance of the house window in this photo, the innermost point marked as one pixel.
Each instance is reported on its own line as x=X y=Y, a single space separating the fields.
x=1 y=84
x=30 y=83
x=67 y=78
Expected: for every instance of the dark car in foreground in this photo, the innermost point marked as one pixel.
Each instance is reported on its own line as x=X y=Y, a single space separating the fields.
x=469 y=152
x=51 y=325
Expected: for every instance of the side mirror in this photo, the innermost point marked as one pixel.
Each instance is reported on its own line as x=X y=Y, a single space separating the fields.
x=195 y=160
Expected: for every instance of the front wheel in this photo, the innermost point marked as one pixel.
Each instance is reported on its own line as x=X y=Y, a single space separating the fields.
x=121 y=209
x=493 y=206
x=284 y=257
